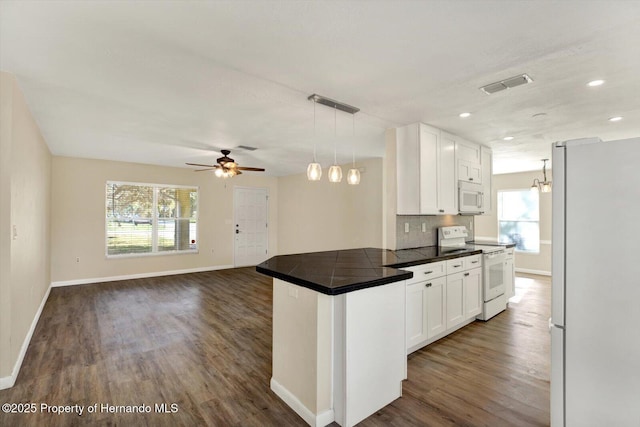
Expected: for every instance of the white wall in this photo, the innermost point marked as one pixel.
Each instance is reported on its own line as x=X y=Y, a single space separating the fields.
x=487 y=226
x=320 y=216
x=24 y=206
x=78 y=219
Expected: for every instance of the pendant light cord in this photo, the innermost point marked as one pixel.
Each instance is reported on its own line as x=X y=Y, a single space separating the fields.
x=335 y=135
x=353 y=147
x=314 y=131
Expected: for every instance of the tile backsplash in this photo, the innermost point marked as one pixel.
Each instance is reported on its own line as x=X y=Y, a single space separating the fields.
x=416 y=237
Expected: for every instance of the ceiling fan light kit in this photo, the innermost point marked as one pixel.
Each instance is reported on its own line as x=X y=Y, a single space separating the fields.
x=314 y=170
x=226 y=167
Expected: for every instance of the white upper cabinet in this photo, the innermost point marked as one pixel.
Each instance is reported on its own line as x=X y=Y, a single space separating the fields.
x=425 y=171
x=467 y=151
x=447 y=185
x=468 y=157
x=486 y=156
x=429 y=164
x=408 y=170
x=429 y=144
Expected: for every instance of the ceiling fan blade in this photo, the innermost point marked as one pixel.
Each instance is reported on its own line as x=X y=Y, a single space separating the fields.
x=245 y=168
x=202 y=170
x=206 y=166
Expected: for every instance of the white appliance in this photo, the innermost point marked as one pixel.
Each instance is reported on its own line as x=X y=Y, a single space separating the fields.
x=595 y=337
x=493 y=266
x=470 y=198
x=494 y=261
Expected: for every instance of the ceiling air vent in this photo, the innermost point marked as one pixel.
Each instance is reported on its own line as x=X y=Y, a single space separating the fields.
x=509 y=83
x=246 y=147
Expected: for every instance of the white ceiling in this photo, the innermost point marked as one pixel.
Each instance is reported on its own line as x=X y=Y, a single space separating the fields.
x=173 y=82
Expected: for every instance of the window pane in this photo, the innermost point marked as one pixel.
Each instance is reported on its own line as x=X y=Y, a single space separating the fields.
x=177 y=202
x=518 y=219
x=526 y=235
x=128 y=202
x=129 y=210
x=128 y=237
x=518 y=205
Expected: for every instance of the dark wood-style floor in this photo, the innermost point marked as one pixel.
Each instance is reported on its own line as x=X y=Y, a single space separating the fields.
x=203 y=341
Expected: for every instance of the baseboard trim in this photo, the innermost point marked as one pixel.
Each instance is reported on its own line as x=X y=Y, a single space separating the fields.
x=529 y=271
x=319 y=420
x=8 y=382
x=137 y=276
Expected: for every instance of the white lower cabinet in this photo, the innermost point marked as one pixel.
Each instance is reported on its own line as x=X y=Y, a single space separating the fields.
x=472 y=293
x=436 y=295
x=455 y=299
x=440 y=305
x=425 y=310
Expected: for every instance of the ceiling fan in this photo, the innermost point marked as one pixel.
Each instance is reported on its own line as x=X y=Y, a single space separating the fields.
x=226 y=167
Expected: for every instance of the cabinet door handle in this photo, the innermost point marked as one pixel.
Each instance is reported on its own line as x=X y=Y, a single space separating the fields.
x=466 y=274
x=428 y=285
x=440 y=210
x=428 y=272
x=457 y=266
x=474 y=262
x=470 y=179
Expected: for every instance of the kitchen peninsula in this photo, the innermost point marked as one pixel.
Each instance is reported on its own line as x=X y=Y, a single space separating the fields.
x=339 y=342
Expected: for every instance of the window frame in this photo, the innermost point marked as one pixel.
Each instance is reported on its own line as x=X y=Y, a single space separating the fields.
x=154 y=222
x=498 y=220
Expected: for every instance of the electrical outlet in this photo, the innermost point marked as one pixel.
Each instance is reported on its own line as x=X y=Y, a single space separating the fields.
x=77 y=259
x=406 y=227
x=293 y=292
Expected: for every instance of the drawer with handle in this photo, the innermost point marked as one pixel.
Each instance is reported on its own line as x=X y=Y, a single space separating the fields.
x=465 y=263
x=424 y=272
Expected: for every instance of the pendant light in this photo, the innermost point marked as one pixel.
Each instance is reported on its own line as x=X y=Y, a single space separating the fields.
x=314 y=170
x=544 y=186
x=335 y=171
x=353 y=176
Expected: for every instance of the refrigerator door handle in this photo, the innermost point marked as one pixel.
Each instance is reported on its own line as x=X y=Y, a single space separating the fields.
x=553 y=325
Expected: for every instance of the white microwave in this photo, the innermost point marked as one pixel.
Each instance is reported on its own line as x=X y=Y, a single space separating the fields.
x=471 y=198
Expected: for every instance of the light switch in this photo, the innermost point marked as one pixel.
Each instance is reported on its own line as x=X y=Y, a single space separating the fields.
x=424 y=227
x=15 y=232
x=406 y=227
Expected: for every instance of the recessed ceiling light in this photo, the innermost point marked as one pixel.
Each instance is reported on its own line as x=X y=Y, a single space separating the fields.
x=465 y=115
x=508 y=138
x=615 y=119
x=594 y=83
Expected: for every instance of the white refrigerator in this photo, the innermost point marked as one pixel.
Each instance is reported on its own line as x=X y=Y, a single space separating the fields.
x=595 y=323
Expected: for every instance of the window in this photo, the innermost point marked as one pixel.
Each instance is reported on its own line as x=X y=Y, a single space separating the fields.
x=519 y=219
x=150 y=219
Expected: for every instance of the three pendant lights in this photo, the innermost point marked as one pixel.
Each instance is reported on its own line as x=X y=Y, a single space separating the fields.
x=314 y=170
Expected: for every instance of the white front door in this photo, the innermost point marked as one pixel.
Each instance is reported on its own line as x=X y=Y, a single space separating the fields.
x=250 y=227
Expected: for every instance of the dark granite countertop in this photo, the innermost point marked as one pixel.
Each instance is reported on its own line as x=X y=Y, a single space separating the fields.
x=342 y=271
